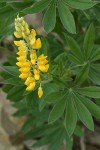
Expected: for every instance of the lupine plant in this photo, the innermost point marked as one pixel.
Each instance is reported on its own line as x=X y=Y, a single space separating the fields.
x=53 y=80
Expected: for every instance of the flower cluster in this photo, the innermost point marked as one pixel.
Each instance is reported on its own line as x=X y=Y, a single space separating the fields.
x=30 y=65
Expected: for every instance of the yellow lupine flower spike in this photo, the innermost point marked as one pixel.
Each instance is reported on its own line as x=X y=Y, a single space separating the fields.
x=30 y=64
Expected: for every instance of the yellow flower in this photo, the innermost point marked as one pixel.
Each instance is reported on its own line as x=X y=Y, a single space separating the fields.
x=32 y=41
x=21 y=53
x=29 y=80
x=22 y=48
x=33 y=32
x=36 y=74
x=43 y=68
x=27 y=64
x=23 y=75
x=21 y=58
x=37 y=44
x=33 y=57
x=42 y=63
x=24 y=70
x=20 y=64
x=31 y=86
x=40 y=92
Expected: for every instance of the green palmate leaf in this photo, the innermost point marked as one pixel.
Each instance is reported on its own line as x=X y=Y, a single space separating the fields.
x=45 y=46
x=96 y=67
x=8 y=30
x=12 y=59
x=57 y=110
x=5 y=11
x=7 y=88
x=5 y=75
x=37 y=7
x=22 y=5
x=13 y=81
x=69 y=141
x=97 y=12
x=80 y=4
x=89 y=40
x=30 y=99
x=84 y=114
x=66 y=17
x=53 y=97
x=42 y=141
x=96 y=55
x=35 y=132
x=48 y=88
x=71 y=116
x=9 y=1
x=78 y=131
x=11 y=70
x=75 y=49
x=20 y=113
x=41 y=130
x=59 y=82
x=98 y=102
x=91 y=91
x=16 y=93
x=82 y=75
x=92 y=107
x=94 y=76
x=72 y=58
x=49 y=19
x=57 y=142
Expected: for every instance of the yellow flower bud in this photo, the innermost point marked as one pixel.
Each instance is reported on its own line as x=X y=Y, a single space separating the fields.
x=17 y=28
x=17 y=34
x=23 y=35
x=40 y=92
x=27 y=31
x=23 y=23
x=31 y=86
x=17 y=43
x=20 y=43
x=33 y=32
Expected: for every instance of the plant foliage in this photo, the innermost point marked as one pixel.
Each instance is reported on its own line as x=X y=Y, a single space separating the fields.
x=71 y=86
